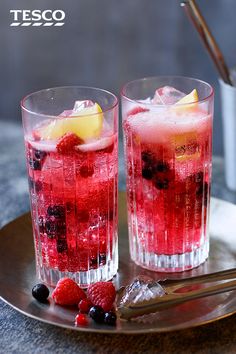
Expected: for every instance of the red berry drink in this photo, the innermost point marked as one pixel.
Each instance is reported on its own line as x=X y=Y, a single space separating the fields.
x=72 y=168
x=168 y=149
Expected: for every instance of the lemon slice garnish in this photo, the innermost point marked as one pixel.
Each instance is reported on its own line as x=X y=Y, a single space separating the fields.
x=185 y=142
x=192 y=97
x=86 y=124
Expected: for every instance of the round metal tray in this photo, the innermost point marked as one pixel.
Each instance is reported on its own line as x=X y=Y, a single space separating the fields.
x=17 y=277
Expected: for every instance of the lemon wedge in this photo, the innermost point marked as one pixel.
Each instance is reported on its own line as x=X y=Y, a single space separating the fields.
x=86 y=124
x=192 y=97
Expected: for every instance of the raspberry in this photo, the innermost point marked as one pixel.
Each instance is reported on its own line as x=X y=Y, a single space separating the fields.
x=67 y=292
x=81 y=320
x=137 y=110
x=67 y=143
x=86 y=171
x=36 y=135
x=102 y=294
x=85 y=305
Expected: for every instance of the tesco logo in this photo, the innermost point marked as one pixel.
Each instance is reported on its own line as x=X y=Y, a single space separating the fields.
x=37 y=18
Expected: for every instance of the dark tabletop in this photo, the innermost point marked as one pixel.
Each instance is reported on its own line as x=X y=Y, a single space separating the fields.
x=20 y=334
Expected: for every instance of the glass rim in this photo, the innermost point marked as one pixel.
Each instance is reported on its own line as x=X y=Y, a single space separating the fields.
x=122 y=91
x=23 y=100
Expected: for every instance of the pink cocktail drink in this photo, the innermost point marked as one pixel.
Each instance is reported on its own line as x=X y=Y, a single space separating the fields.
x=72 y=169
x=168 y=155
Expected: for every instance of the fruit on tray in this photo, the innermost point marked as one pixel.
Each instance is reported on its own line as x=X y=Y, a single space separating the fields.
x=96 y=304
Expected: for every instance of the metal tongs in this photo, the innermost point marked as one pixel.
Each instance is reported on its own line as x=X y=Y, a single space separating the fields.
x=171 y=298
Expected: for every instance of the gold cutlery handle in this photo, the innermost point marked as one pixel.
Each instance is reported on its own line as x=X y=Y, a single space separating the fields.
x=169 y=300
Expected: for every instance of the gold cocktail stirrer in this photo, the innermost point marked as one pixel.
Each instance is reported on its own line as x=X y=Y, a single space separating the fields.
x=194 y=13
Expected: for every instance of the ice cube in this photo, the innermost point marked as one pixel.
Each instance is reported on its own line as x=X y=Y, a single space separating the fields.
x=80 y=105
x=66 y=113
x=44 y=145
x=147 y=100
x=167 y=95
x=141 y=289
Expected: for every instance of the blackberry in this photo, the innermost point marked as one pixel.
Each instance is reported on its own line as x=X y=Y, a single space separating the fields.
x=35 y=164
x=198 y=184
x=31 y=183
x=39 y=155
x=58 y=211
x=199 y=192
x=199 y=177
x=61 y=245
x=147 y=172
x=93 y=262
x=40 y=292
x=86 y=171
x=54 y=227
x=38 y=186
x=147 y=156
x=162 y=183
x=60 y=228
x=97 y=314
x=196 y=181
x=206 y=193
x=35 y=185
x=41 y=224
x=50 y=228
x=102 y=259
x=162 y=166
x=110 y=318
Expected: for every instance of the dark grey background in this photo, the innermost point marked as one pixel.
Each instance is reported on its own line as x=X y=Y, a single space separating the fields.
x=105 y=43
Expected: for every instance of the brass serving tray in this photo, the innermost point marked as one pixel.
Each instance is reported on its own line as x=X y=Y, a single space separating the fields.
x=17 y=277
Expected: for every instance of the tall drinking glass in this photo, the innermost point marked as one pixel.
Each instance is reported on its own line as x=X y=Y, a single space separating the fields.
x=168 y=150
x=71 y=140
